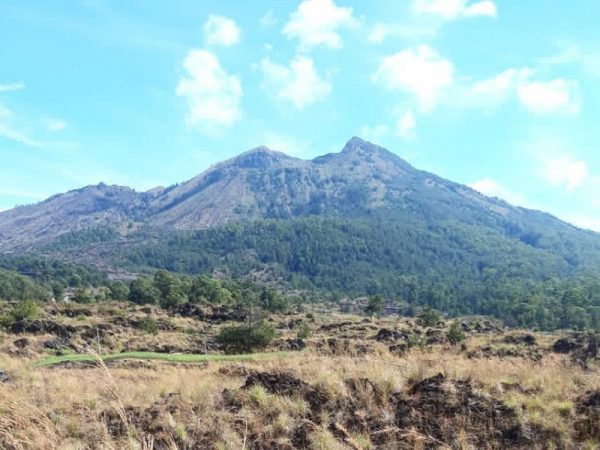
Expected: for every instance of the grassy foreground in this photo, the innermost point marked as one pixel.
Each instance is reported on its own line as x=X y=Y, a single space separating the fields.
x=177 y=358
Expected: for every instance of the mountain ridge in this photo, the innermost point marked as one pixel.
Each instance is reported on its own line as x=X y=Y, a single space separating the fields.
x=262 y=183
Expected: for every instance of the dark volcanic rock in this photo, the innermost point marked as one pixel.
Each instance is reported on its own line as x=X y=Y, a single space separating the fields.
x=387 y=335
x=42 y=327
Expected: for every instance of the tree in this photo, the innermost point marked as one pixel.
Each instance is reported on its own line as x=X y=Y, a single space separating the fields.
x=429 y=317
x=118 y=291
x=375 y=305
x=142 y=291
x=246 y=338
x=82 y=296
x=273 y=300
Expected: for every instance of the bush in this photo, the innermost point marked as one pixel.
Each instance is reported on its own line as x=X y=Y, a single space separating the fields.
x=375 y=306
x=27 y=310
x=246 y=338
x=149 y=325
x=429 y=317
x=82 y=297
x=456 y=333
x=303 y=331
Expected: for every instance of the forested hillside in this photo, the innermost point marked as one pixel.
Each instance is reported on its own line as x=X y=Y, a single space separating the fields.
x=354 y=223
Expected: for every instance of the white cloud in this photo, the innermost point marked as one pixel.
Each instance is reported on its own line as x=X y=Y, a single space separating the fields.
x=585 y=222
x=373 y=132
x=8 y=132
x=565 y=171
x=405 y=127
x=316 y=22
x=421 y=72
x=54 y=124
x=219 y=30
x=456 y=9
x=268 y=20
x=378 y=33
x=556 y=96
x=286 y=144
x=491 y=188
x=485 y=8
x=498 y=89
x=587 y=58
x=298 y=83
x=212 y=94
x=12 y=86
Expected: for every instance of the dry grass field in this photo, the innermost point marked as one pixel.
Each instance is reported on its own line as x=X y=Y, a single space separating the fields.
x=353 y=383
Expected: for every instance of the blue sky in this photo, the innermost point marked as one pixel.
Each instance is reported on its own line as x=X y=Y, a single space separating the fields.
x=501 y=95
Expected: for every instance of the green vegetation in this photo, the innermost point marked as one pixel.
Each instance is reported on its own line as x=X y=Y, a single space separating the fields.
x=303 y=331
x=375 y=305
x=149 y=325
x=179 y=358
x=429 y=317
x=246 y=338
x=27 y=310
x=542 y=277
x=455 y=333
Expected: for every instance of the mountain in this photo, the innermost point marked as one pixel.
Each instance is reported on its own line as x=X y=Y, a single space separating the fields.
x=361 y=221
x=265 y=184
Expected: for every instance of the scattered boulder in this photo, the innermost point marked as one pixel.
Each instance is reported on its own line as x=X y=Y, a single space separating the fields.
x=41 y=326
x=564 y=345
x=22 y=343
x=387 y=335
x=520 y=339
x=4 y=377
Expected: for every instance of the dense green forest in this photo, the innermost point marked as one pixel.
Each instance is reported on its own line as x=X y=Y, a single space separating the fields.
x=535 y=279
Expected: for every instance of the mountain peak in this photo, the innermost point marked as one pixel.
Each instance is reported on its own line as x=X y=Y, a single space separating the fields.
x=358 y=145
x=260 y=157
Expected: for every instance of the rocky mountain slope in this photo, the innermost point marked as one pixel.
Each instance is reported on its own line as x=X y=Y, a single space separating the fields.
x=262 y=184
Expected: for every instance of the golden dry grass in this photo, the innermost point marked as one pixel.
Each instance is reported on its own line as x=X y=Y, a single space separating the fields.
x=63 y=407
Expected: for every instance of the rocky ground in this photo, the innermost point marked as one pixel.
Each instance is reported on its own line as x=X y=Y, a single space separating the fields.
x=350 y=382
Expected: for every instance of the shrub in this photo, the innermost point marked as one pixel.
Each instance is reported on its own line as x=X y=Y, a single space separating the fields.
x=246 y=338
x=456 y=333
x=429 y=317
x=303 y=331
x=27 y=310
x=82 y=297
x=149 y=325
x=375 y=306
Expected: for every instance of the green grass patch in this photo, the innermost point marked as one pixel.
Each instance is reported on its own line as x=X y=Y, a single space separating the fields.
x=171 y=357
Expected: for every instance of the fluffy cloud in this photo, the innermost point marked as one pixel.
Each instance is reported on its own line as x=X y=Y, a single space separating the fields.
x=421 y=72
x=405 y=127
x=213 y=95
x=556 y=96
x=539 y=97
x=219 y=30
x=12 y=86
x=565 y=171
x=298 y=83
x=373 y=132
x=287 y=144
x=456 y=9
x=316 y=22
